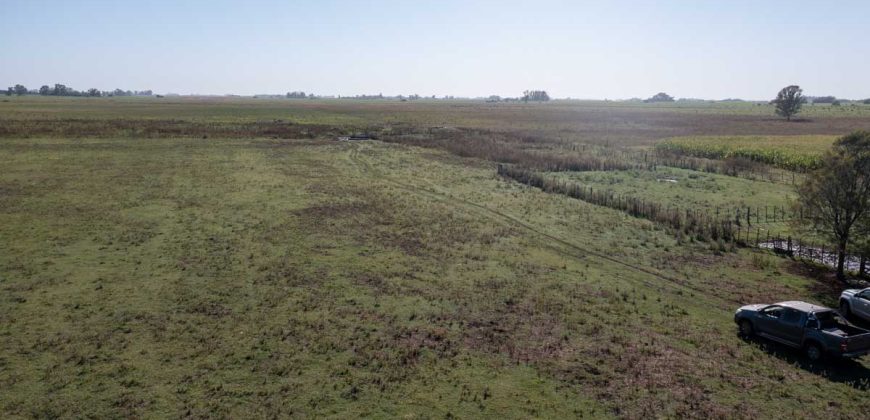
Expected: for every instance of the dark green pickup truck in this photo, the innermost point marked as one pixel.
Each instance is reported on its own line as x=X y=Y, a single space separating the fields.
x=817 y=330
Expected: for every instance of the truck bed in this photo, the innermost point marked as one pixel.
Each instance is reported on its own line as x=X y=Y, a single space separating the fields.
x=844 y=331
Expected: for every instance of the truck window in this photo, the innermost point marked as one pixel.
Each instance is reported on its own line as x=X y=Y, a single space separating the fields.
x=791 y=316
x=830 y=319
x=774 y=312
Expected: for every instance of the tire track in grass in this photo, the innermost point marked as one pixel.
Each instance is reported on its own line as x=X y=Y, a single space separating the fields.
x=492 y=214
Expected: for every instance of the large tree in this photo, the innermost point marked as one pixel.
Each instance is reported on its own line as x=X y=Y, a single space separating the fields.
x=660 y=97
x=536 y=95
x=20 y=90
x=60 y=90
x=836 y=197
x=788 y=101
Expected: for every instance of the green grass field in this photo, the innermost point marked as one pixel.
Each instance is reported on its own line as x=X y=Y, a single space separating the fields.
x=269 y=277
x=713 y=194
x=686 y=189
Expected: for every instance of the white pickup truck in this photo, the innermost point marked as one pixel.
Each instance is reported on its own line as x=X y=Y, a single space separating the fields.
x=856 y=302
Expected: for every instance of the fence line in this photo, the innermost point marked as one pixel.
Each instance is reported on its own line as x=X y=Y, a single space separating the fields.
x=701 y=224
x=799 y=248
x=738 y=215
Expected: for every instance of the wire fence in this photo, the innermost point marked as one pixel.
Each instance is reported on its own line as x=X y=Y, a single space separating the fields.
x=814 y=251
x=745 y=226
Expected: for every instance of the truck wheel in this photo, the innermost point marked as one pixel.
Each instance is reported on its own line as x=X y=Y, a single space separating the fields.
x=814 y=352
x=844 y=308
x=746 y=329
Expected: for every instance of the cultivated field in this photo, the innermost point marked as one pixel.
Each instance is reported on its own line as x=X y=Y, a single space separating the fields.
x=184 y=257
x=800 y=153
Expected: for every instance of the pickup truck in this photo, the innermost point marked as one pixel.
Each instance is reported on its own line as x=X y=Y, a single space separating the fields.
x=817 y=330
x=856 y=302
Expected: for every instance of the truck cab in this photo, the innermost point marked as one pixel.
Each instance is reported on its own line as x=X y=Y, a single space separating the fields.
x=818 y=330
x=856 y=302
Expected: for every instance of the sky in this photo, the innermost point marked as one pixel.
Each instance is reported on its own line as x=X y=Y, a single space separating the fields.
x=578 y=49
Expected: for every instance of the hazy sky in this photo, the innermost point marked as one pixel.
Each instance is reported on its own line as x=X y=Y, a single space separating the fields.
x=580 y=49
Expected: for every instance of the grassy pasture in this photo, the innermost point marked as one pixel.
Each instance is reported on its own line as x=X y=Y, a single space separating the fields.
x=688 y=189
x=253 y=275
x=697 y=191
x=788 y=152
x=227 y=277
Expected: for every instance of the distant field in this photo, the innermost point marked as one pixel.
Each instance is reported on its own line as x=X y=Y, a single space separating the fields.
x=594 y=122
x=788 y=152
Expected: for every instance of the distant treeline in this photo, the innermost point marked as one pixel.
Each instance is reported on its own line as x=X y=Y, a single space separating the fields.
x=300 y=95
x=64 y=90
x=535 y=96
x=528 y=96
x=833 y=100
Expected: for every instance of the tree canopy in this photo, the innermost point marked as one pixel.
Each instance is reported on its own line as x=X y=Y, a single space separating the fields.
x=60 y=89
x=788 y=101
x=536 y=95
x=660 y=97
x=836 y=197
